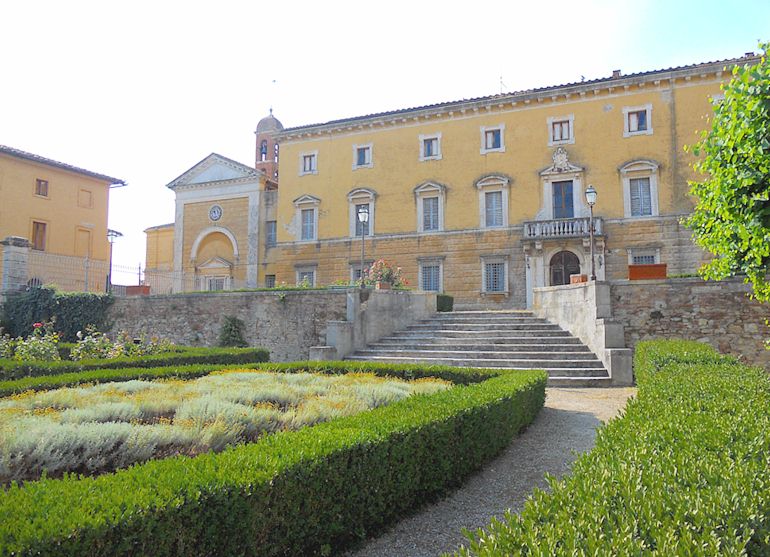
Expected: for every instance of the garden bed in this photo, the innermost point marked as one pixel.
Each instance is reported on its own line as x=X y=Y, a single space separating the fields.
x=683 y=472
x=101 y=428
x=302 y=492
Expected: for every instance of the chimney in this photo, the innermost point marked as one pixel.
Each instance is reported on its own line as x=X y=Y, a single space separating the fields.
x=615 y=73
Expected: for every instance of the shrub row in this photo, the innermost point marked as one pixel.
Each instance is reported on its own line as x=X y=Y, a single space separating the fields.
x=460 y=376
x=73 y=311
x=11 y=369
x=308 y=492
x=684 y=471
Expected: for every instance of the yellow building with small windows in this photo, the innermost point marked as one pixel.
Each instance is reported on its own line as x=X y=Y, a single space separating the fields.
x=485 y=198
x=62 y=210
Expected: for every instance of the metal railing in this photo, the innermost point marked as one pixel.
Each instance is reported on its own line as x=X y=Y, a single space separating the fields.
x=561 y=228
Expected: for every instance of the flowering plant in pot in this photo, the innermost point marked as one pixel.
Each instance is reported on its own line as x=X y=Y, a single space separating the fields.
x=384 y=274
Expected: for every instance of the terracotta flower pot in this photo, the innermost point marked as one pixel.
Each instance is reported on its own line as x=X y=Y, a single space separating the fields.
x=382 y=285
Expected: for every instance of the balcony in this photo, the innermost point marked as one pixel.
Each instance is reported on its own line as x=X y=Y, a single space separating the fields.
x=561 y=228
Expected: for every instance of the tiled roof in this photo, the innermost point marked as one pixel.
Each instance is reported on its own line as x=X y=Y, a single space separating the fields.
x=18 y=153
x=541 y=91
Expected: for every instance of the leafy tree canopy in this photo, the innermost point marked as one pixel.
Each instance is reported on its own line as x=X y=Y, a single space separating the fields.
x=732 y=214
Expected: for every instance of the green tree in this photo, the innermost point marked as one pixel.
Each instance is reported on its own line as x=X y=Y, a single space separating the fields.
x=732 y=214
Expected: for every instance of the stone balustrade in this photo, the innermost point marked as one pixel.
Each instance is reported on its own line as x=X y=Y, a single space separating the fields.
x=561 y=228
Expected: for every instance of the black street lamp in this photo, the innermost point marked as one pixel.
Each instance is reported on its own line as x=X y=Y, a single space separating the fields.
x=363 y=218
x=112 y=235
x=591 y=200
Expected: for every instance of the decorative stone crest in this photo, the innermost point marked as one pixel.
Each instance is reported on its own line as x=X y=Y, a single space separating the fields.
x=561 y=159
x=561 y=164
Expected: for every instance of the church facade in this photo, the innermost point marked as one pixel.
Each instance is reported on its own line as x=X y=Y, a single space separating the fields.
x=483 y=199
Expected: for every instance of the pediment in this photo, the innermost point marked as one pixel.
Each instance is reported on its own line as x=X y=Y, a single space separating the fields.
x=561 y=164
x=215 y=263
x=215 y=168
x=307 y=199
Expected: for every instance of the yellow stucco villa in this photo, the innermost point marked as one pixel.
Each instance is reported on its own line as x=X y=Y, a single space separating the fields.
x=483 y=199
x=61 y=210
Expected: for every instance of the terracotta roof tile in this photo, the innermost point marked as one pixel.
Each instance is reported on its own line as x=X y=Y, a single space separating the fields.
x=18 y=153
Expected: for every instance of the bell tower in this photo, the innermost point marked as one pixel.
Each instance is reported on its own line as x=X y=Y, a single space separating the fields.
x=267 y=147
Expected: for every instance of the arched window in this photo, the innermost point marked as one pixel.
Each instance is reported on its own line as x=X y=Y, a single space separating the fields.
x=263 y=151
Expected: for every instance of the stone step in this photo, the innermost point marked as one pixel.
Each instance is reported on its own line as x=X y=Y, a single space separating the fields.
x=470 y=360
x=475 y=346
x=511 y=320
x=574 y=358
x=562 y=381
x=556 y=369
x=457 y=333
x=545 y=342
x=470 y=327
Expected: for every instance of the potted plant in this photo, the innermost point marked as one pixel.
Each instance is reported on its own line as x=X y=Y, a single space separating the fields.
x=385 y=276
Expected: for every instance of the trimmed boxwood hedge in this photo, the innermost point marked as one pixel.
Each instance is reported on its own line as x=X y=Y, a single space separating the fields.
x=308 y=492
x=462 y=376
x=186 y=355
x=684 y=471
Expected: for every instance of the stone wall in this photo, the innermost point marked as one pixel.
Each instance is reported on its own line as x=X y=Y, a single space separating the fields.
x=286 y=323
x=720 y=313
x=585 y=311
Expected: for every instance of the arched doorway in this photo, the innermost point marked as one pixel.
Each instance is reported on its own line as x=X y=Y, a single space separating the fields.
x=563 y=264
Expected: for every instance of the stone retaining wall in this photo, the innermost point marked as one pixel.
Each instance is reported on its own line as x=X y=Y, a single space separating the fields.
x=286 y=323
x=720 y=313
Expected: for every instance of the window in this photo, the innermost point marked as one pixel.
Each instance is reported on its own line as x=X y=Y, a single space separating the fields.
x=643 y=256
x=217 y=283
x=263 y=151
x=430 y=220
x=429 y=198
x=492 y=139
x=560 y=130
x=41 y=187
x=640 y=188
x=430 y=147
x=493 y=201
x=358 y=199
x=494 y=272
x=270 y=233
x=308 y=163
x=308 y=224
x=644 y=259
x=430 y=276
x=641 y=203
x=355 y=270
x=305 y=223
x=362 y=156
x=563 y=206
x=362 y=228
x=85 y=199
x=637 y=120
x=306 y=276
x=38 y=235
x=269 y=281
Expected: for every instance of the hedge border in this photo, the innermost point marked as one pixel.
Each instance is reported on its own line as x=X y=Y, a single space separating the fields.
x=683 y=471
x=11 y=369
x=306 y=492
x=462 y=376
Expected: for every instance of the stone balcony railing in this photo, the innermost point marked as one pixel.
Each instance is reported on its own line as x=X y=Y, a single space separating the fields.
x=561 y=228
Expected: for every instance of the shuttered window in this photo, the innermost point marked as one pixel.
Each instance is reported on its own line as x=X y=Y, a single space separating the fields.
x=641 y=200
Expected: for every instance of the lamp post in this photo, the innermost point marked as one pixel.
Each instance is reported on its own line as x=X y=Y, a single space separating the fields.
x=363 y=218
x=591 y=200
x=112 y=235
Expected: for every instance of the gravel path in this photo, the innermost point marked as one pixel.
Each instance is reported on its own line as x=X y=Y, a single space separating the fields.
x=566 y=425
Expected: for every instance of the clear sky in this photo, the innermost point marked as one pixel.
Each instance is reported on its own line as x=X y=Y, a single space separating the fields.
x=144 y=90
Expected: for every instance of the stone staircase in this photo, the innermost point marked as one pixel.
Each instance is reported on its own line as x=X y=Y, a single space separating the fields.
x=496 y=339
